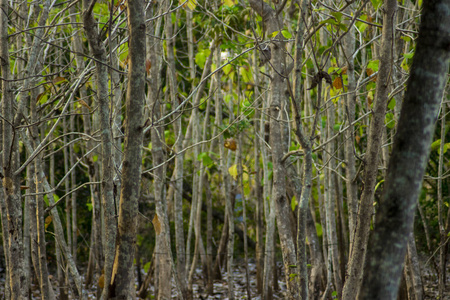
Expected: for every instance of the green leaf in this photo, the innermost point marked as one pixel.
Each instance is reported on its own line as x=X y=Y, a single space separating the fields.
x=293 y=203
x=286 y=33
x=406 y=38
x=376 y=3
x=435 y=145
x=274 y=34
x=200 y=57
x=89 y=206
x=205 y=159
x=343 y=27
x=246 y=74
x=446 y=147
x=361 y=25
x=227 y=68
x=373 y=65
x=147 y=266
x=408 y=55
x=228 y=98
x=331 y=21
x=378 y=184
x=389 y=120
x=319 y=229
x=337 y=15
x=391 y=104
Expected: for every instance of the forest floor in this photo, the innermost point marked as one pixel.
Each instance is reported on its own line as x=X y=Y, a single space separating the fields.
x=221 y=286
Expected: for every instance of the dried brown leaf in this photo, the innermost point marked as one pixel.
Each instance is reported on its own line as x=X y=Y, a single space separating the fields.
x=156 y=224
x=230 y=144
x=82 y=102
x=337 y=83
x=148 y=65
x=58 y=79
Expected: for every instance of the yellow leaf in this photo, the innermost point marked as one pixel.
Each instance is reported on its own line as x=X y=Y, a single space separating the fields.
x=233 y=171
x=191 y=4
x=156 y=224
x=229 y=2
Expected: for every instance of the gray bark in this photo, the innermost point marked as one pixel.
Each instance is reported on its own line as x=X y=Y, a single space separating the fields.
x=178 y=172
x=122 y=274
x=11 y=182
x=361 y=236
x=107 y=171
x=350 y=103
x=277 y=103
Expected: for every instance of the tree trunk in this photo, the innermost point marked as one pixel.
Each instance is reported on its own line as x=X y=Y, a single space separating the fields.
x=107 y=174
x=11 y=181
x=277 y=105
x=122 y=275
x=361 y=236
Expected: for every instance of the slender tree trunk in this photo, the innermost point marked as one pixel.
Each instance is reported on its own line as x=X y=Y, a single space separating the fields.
x=415 y=267
x=107 y=174
x=178 y=172
x=122 y=275
x=277 y=104
x=11 y=181
x=440 y=201
x=244 y=213
x=349 y=151
x=359 y=246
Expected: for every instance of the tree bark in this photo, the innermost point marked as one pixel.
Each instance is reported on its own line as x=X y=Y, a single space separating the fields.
x=122 y=275
x=277 y=104
x=107 y=172
x=11 y=182
x=361 y=236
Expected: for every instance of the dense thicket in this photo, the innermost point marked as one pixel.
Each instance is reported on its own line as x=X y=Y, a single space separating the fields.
x=185 y=149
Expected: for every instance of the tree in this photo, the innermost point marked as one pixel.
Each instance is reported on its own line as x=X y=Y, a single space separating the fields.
x=122 y=274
